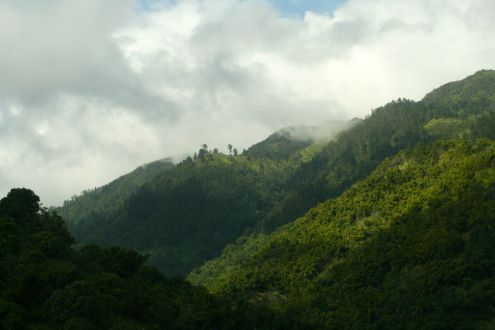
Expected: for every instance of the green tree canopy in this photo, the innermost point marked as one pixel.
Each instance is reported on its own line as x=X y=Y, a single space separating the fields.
x=19 y=203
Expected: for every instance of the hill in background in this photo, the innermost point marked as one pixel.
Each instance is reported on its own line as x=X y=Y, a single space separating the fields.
x=387 y=225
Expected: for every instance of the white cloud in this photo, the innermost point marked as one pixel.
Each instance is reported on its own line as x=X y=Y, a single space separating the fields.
x=90 y=89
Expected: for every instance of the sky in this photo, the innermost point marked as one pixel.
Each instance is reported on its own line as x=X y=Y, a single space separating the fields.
x=90 y=90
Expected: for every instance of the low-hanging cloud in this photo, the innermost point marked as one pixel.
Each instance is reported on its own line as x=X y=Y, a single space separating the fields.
x=91 y=89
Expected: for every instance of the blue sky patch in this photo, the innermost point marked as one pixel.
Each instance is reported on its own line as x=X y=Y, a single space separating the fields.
x=299 y=7
x=288 y=7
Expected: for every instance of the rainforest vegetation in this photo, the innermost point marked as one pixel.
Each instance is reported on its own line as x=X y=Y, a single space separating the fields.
x=384 y=223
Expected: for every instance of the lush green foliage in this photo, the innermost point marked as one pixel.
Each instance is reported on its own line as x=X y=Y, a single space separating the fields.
x=298 y=142
x=186 y=215
x=279 y=145
x=357 y=151
x=403 y=237
x=83 y=212
x=45 y=284
x=233 y=257
x=472 y=95
x=408 y=247
x=183 y=215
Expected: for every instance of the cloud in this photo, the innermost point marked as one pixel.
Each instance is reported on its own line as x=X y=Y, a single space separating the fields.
x=91 y=89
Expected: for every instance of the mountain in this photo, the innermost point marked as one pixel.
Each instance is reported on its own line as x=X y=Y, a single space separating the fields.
x=386 y=224
x=358 y=150
x=183 y=215
x=397 y=250
x=187 y=214
x=291 y=141
x=83 y=212
x=336 y=165
x=409 y=246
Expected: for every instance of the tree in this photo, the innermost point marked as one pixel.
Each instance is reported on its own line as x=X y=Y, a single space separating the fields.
x=235 y=152
x=19 y=202
x=202 y=153
x=230 y=148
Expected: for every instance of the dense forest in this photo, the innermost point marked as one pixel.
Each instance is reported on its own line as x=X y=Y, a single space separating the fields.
x=464 y=109
x=382 y=223
x=405 y=248
x=184 y=215
x=47 y=284
x=83 y=212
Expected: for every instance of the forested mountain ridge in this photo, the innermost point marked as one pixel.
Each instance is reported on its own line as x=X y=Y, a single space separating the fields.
x=475 y=91
x=182 y=215
x=398 y=250
x=83 y=211
x=299 y=141
x=186 y=216
x=388 y=225
x=387 y=130
x=465 y=108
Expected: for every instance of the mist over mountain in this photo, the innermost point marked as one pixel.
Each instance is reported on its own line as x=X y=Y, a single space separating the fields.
x=209 y=200
x=247 y=164
x=384 y=222
x=406 y=247
x=90 y=90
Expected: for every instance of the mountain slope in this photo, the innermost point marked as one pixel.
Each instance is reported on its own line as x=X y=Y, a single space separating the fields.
x=464 y=108
x=183 y=215
x=399 y=232
x=387 y=130
x=187 y=215
x=83 y=212
x=398 y=250
x=296 y=141
x=357 y=150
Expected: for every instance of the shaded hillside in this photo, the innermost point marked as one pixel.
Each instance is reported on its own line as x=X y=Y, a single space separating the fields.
x=46 y=284
x=83 y=212
x=409 y=247
x=184 y=215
